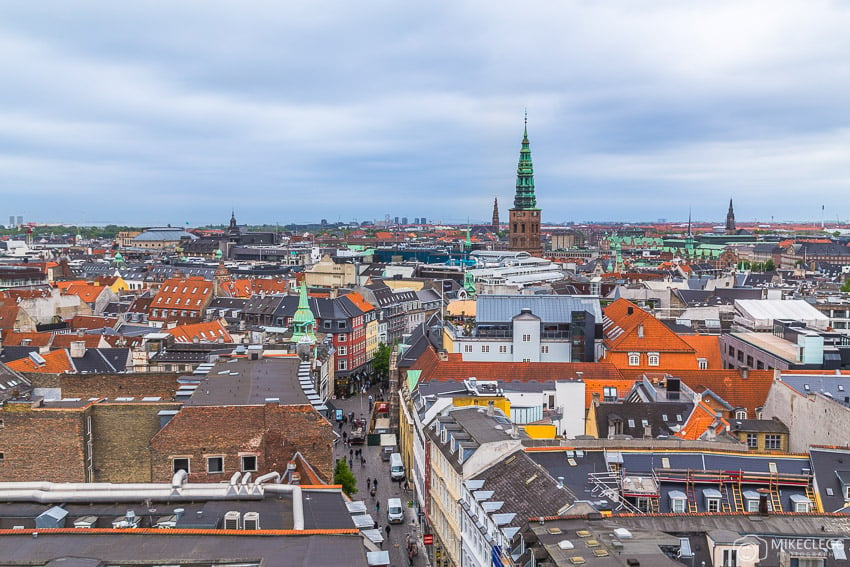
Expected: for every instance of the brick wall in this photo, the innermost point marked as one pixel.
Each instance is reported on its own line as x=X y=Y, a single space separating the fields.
x=119 y=385
x=41 y=444
x=122 y=434
x=272 y=433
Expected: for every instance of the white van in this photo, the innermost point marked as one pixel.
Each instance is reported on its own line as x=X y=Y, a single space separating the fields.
x=396 y=467
x=395 y=513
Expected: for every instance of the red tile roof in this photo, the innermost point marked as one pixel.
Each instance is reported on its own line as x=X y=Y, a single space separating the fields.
x=8 y=316
x=11 y=338
x=629 y=328
x=698 y=422
x=82 y=322
x=87 y=293
x=456 y=369
x=55 y=362
x=359 y=302
x=707 y=347
x=177 y=294
x=210 y=332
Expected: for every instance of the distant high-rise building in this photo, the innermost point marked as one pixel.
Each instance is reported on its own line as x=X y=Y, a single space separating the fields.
x=495 y=213
x=20 y=220
x=730 y=220
x=396 y=220
x=524 y=225
x=11 y=221
x=404 y=220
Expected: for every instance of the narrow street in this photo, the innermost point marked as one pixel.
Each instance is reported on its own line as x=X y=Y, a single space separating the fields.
x=375 y=468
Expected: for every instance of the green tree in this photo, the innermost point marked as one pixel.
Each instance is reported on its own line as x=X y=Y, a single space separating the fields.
x=769 y=266
x=343 y=476
x=381 y=362
x=846 y=287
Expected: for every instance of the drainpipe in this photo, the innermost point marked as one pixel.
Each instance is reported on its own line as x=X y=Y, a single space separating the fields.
x=179 y=479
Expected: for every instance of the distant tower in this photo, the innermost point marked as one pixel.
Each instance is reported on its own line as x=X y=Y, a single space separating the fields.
x=233 y=230
x=525 y=216
x=730 y=220
x=495 y=213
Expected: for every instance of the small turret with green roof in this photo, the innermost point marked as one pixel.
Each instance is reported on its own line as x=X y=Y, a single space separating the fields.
x=303 y=322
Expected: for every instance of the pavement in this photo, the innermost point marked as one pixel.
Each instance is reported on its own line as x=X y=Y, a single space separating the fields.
x=375 y=468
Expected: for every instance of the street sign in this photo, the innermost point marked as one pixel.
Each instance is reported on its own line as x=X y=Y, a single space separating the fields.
x=428 y=539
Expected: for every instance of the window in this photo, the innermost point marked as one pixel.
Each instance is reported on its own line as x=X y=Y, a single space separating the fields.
x=2 y=457
x=503 y=348
x=467 y=348
x=249 y=463
x=643 y=504
x=752 y=505
x=740 y=356
x=749 y=361
x=342 y=364
x=326 y=324
x=180 y=463
x=741 y=414
x=772 y=441
x=340 y=324
x=752 y=441
x=801 y=507
x=342 y=337
x=526 y=338
x=703 y=363
x=215 y=464
x=544 y=349
x=653 y=358
x=731 y=350
x=677 y=505
x=609 y=394
x=342 y=350
x=712 y=504
x=730 y=558
x=634 y=358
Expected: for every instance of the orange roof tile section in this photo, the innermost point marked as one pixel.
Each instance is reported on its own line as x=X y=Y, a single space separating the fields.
x=640 y=331
x=698 y=422
x=707 y=347
x=456 y=369
x=11 y=338
x=359 y=302
x=55 y=362
x=190 y=294
x=210 y=332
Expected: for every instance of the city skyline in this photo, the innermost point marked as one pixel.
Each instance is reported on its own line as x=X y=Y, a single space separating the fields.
x=139 y=115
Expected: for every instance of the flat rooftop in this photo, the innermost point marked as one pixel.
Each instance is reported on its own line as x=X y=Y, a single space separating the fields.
x=250 y=382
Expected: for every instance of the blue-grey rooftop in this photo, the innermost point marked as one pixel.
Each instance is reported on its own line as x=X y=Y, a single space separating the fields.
x=550 y=308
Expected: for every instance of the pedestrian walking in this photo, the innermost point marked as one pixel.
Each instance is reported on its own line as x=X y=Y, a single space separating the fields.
x=388 y=531
x=378 y=507
x=368 y=482
x=350 y=463
x=351 y=453
x=362 y=461
x=375 y=483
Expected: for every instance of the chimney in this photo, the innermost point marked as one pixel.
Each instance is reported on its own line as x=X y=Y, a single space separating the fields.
x=78 y=349
x=444 y=356
x=491 y=407
x=640 y=331
x=560 y=482
x=763 y=509
x=745 y=372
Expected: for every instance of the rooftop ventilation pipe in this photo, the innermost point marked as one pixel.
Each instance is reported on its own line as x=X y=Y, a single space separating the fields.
x=179 y=479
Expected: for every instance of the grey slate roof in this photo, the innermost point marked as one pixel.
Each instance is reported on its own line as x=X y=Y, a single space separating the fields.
x=831 y=385
x=550 y=308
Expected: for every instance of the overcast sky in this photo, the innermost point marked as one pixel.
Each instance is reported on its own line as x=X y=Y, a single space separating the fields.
x=173 y=112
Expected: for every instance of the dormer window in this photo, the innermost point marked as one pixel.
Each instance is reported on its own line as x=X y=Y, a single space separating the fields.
x=653 y=358
x=740 y=414
x=634 y=359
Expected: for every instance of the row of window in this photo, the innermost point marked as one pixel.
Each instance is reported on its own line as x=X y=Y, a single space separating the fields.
x=652 y=359
x=214 y=464
x=771 y=441
x=165 y=312
x=502 y=348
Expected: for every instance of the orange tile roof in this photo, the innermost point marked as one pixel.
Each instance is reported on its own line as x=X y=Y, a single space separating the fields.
x=208 y=332
x=456 y=369
x=11 y=338
x=8 y=316
x=749 y=393
x=698 y=422
x=55 y=362
x=87 y=293
x=623 y=333
x=62 y=286
x=192 y=295
x=359 y=302
x=92 y=322
x=707 y=347
x=64 y=341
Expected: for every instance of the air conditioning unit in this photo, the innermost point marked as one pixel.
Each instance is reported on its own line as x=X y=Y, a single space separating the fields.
x=231 y=520
x=252 y=521
x=167 y=522
x=85 y=522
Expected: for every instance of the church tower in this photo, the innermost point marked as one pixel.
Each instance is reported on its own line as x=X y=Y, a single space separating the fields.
x=495 y=223
x=524 y=225
x=730 y=220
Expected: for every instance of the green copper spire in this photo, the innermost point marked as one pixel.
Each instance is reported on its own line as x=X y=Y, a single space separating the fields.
x=303 y=322
x=525 y=199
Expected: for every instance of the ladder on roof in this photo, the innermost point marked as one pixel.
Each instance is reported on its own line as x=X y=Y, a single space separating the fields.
x=775 y=497
x=810 y=494
x=725 y=504
x=690 y=491
x=737 y=497
x=653 y=506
